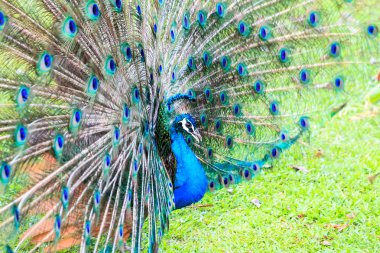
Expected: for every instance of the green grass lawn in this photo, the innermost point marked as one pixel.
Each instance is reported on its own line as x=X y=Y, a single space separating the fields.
x=332 y=208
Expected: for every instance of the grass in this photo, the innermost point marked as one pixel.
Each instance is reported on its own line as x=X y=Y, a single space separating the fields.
x=332 y=208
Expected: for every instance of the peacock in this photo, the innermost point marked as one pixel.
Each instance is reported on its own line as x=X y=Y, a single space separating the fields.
x=114 y=113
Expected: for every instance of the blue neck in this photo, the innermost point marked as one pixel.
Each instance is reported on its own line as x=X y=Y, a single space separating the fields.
x=190 y=180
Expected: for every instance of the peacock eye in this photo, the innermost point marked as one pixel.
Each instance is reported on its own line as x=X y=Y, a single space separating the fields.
x=3 y=20
x=118 y=5
x=5 y=172
x=92 y=11
x=45 y=63
x=69 y=28
x=110 y=66
x=126 y=50
x=188 y=124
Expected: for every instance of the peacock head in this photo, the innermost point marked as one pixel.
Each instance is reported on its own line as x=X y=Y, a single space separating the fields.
x=186 y=123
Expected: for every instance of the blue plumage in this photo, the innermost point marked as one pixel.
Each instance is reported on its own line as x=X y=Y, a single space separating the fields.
x=191 y=182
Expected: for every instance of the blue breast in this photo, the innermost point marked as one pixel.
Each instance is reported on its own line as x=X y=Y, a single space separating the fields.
x=190 y=182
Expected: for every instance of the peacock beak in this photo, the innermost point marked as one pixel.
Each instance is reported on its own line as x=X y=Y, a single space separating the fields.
x=197 y=136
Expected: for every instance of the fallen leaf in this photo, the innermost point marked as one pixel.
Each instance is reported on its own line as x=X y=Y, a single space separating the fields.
x=339 y=227
x=372 y=178
x=326 y=243
x=301 y=216
x=351 y=215
x=256 y=202
x=229 y=190
x=300 y=168
x=319 y=153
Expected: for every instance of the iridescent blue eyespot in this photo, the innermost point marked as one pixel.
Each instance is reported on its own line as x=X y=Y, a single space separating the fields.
x=208 y=94
x=209 y=153
x=160 y=68
x=121 y=231
x=92 y=85
x=186 y=23
x=96 y=199
x=135 y=166
x=275 y=152
x=284 y=55
x=75 y=121
x=110 y=66
x=242 y=69
x=87 y=231
x=225 y=63
x=202 y=18
x=335 y=50
x=221 y=10
x=173 y=78
x=304 y=123
x=16 y=217
x=372 y=31
x=304 y=76
x=274 y=108
x=44 y=63
x=126 y=113
x=155 y=28
x=339 y=83
x=192 y=93
x=173 y=34
x=249 y=128
x=225 y=181
x=92 y=10
x=284 y=136
x=57 y=225
x=65 y=193
x=189 y=140
x=313 y=19
x=116 y=136
x=142 y=52
x=207 y=59
x=6 y=171
x=3 y=20
x=117 y=5
x=211 y=186
x=203 y=119
x=246 y=173
x=59 y=142
x=243 y=29
x=223 y=98
x=69 y=28
x=237 y=110
x=126 y=50
x=231 y=178
x=106 y=164
x=107 y=160
x=191 y=63
x=22 y=96
x=259 y=87
x=229 y=142
x=138 y=10
x=256 y=168
x=265 y=33
x=20 y=135
x=218 y=125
